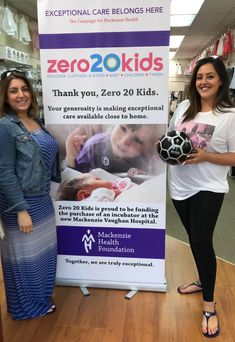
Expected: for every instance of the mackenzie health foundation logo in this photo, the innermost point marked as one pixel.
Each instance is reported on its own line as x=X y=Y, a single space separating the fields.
x=111 y=242
x=88 y=240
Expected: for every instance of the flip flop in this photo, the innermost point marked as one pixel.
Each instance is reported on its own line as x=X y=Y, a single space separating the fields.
x=208 y=315
x=195 y=283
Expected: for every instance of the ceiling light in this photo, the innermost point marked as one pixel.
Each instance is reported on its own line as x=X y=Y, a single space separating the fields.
x=185 y=6
x=175 y=41
x=182 y=20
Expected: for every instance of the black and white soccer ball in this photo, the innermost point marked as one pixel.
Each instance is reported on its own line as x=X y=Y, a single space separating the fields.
x=174 y=147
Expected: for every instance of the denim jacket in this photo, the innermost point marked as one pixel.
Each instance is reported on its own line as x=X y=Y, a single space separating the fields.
x=22 y=168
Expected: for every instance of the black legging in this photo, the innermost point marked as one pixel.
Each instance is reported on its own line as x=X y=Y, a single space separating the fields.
x=199 y=214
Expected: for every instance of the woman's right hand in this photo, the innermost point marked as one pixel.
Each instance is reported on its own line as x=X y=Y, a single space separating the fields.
x=25 y=222
x=73 y=146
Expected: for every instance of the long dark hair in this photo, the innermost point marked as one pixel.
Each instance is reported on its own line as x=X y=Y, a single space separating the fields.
x=222 y=101
x=4 y=106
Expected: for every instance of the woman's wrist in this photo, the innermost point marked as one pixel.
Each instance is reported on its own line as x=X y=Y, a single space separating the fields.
x=22 y=212
x=227 y=159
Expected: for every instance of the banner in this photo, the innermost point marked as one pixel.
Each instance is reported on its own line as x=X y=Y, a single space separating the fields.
x=105 y=92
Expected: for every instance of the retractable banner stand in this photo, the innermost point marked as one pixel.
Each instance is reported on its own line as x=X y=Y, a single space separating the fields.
x=105 y=91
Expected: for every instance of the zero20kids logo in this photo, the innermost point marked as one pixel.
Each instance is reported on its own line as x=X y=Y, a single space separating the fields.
x=111 y=62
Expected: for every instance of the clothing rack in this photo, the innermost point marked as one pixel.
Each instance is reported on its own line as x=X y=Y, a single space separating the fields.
x=218 y=36
x=8 y=4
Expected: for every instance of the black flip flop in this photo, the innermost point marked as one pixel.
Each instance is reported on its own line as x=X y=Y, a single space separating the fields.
x=208 y=315
x=195 y=283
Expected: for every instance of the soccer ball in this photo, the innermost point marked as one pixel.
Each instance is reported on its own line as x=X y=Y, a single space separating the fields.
x=174 y=147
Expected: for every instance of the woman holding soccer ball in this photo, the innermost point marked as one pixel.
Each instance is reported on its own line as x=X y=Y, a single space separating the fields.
x=198 y=186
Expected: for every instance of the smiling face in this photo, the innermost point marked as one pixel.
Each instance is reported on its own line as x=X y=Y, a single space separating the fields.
x=18 y=96
x=207 y=82
x=130 y=143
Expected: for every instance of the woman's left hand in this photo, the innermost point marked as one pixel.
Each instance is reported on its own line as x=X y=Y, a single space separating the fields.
x=199 y=155
x=25 y=222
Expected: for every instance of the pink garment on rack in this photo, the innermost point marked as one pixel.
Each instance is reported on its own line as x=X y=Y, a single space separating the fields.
x=228 y=48
x=214 y=52
x=191 y=65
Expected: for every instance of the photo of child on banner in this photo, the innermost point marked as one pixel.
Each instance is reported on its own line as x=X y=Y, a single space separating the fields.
x=121 y=148
x=101 y=186
x=89 y=187
x=110 y=163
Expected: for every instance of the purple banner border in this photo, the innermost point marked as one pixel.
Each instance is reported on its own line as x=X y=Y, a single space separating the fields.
x=104 y=39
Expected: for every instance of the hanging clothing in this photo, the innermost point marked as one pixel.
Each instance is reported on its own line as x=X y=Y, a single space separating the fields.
x=1 y=18
x=17 y=21
x=178 y=69
x=192 y=65
x=203 y=54
x=215 y=48
x=220 y=48
x=8 y=23
x=33 y=30
x=233 y=39
x=228 y=48
x=24 y=35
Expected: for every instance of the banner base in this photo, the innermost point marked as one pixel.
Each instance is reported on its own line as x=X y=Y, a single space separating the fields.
x=130 y=294
x=85 y=291
x=158 y=287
